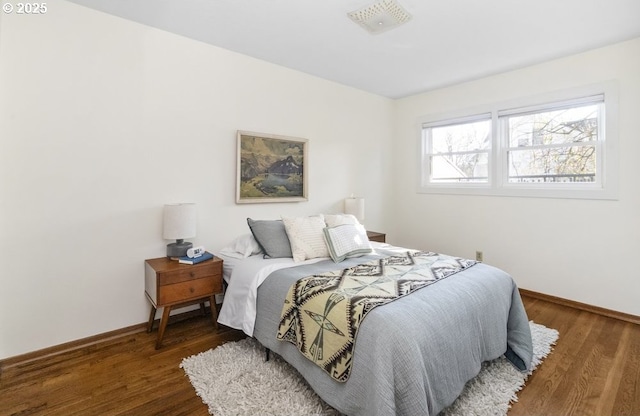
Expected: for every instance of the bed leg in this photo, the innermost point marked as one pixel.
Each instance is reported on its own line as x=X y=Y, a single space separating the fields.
x=267 y=353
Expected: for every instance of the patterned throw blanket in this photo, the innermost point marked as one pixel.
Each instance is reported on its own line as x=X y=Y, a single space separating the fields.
x=322 y=313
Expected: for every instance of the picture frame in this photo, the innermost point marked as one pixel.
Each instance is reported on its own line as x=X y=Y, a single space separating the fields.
x=271 y=168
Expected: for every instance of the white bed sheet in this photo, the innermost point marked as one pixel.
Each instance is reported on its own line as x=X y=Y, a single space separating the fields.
x=243 y=277
x=239 y=306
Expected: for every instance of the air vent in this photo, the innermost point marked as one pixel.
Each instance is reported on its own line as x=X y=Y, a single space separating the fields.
x=380 y=16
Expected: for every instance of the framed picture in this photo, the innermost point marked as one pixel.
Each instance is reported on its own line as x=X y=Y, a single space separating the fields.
x=271 y=168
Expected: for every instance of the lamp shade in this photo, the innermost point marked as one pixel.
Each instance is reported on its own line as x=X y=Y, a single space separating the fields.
x=179 y=221
x=355 y=207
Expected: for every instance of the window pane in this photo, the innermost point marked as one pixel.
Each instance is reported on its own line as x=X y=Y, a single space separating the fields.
x=566 y=126
x=461 y=137
x=563 y=164
x=471 y=167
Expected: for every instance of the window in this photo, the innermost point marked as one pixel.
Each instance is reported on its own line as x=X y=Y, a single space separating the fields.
x=458 y=150
x=556 y=144
x=553 y=149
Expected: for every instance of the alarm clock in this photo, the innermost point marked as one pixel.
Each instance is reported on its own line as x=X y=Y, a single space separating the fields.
x=195 y=252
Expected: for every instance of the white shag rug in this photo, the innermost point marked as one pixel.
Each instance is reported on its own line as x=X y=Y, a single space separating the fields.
x=234 y=379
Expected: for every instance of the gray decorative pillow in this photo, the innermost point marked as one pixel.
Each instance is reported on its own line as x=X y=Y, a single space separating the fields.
x=271 y=236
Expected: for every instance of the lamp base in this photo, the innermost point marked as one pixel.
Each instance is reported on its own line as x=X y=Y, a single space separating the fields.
x=178 y=249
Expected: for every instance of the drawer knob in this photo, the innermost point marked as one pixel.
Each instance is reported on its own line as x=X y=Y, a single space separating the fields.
x=192 y=274
x=191 y=289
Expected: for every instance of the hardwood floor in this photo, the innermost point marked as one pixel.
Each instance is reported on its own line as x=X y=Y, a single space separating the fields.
x=125 y=376
x=593 y=370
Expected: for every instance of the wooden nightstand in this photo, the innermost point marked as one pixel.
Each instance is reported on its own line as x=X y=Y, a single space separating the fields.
x=169 y=284
x=376 y=236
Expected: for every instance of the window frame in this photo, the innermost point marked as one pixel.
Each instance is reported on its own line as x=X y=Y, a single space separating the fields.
x=498 y=183
x=426 y=155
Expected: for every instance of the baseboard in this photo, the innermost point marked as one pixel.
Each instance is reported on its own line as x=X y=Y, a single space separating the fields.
x=90 y=341
x=634 y=319
x=71 y=346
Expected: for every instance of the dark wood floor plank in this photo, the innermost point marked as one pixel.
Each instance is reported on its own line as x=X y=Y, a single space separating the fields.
x=122 y=376
x=579 y=376
x=552 y=378
x=627 y=397
x=583 y=374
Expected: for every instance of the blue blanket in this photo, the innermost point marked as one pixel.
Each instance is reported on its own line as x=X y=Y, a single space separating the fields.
x=414 y=355
x=322 y=312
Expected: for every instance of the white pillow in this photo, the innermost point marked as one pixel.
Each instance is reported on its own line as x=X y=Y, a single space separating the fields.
x=347 y=240
x=305 y=236
x=242 y=247
x=333 y=220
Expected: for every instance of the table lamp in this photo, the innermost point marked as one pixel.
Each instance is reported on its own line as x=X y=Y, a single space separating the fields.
x=179 y=222
x=354 y=206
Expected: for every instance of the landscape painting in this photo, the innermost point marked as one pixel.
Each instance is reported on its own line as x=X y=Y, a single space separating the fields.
x=271 y=168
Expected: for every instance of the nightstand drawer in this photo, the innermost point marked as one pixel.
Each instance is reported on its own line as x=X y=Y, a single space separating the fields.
x=184 y=274
x=192 y=289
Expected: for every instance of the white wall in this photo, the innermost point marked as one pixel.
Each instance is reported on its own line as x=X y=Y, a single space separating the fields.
x=102 y=121
x=583 y=250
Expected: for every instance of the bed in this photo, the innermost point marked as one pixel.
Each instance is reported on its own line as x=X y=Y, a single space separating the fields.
x=413 y=355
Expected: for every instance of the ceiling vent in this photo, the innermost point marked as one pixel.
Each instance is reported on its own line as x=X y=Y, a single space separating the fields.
x=380 y=16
